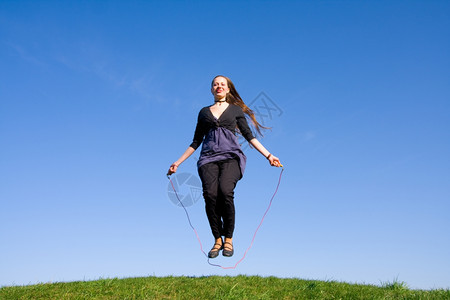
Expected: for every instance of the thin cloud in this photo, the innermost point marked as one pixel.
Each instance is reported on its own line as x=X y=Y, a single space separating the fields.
x=309 y=135
x=24 y=54
x=92 y=60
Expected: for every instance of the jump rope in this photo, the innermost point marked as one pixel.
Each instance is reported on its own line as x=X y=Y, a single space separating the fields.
x=254 y=235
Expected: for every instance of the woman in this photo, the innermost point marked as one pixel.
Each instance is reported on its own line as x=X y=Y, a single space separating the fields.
x=222 y=162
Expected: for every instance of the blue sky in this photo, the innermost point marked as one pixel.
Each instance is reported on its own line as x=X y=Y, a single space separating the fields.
x=98 y=98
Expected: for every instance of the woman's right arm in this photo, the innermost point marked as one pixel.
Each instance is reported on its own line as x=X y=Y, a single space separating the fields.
x=186 y=154
x=199 y=134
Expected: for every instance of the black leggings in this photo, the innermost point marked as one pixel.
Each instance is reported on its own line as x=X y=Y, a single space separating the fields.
x=219 y=180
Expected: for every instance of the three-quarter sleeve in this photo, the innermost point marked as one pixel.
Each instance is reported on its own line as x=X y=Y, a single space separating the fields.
x=243 y=125
x=199 y=132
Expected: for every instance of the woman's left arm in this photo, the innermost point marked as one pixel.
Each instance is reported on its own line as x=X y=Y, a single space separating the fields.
x=273 y=160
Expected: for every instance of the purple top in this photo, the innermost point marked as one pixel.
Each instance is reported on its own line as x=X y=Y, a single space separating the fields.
x=219 y=136
x=220 y=144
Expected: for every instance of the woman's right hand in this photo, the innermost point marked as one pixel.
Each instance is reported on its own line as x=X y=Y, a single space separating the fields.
x=173 y=168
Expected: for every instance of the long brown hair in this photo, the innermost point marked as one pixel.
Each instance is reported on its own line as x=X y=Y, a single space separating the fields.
x=233 y=97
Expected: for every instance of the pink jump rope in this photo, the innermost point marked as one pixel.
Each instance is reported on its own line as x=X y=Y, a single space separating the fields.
x=254 y=235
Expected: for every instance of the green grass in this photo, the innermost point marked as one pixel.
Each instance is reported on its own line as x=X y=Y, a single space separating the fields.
x=217 y=287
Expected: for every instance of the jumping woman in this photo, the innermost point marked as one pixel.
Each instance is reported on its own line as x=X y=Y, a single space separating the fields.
x=222 y=162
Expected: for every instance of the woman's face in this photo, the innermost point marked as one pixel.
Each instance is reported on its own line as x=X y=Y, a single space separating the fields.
x=219 y=88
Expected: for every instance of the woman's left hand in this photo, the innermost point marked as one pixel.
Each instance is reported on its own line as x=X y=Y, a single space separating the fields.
x=274 y=161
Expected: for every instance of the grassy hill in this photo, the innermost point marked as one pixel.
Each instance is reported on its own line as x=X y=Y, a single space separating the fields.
x=216 y=287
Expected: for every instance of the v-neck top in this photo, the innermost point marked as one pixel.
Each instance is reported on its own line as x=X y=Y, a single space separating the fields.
x=219 y=135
